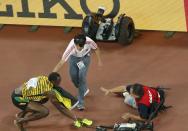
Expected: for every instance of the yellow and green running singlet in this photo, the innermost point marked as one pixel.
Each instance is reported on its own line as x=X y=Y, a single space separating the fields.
x=35 y=88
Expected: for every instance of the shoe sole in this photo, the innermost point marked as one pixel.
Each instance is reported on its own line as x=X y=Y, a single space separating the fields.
x=81 y=108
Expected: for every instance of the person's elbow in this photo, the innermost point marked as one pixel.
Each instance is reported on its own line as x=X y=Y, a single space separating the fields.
x=52 y=97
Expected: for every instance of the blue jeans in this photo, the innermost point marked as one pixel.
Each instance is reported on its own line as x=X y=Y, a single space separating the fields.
x=78 y=76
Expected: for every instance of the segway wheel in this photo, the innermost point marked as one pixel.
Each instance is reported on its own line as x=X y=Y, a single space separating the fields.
x=126 y=31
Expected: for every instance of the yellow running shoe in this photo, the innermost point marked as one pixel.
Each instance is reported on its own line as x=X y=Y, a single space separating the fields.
x=86 y=122
x=77 y=124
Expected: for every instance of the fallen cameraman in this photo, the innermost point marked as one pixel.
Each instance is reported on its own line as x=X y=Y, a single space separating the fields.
x=147 y=100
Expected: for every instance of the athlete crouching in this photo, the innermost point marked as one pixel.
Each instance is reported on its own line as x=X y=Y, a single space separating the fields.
x=31 y=96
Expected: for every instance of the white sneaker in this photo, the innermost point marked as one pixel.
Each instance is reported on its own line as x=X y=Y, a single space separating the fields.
x=87 y=91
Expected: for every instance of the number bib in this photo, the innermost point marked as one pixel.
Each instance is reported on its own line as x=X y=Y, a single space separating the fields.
x=81 y=65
